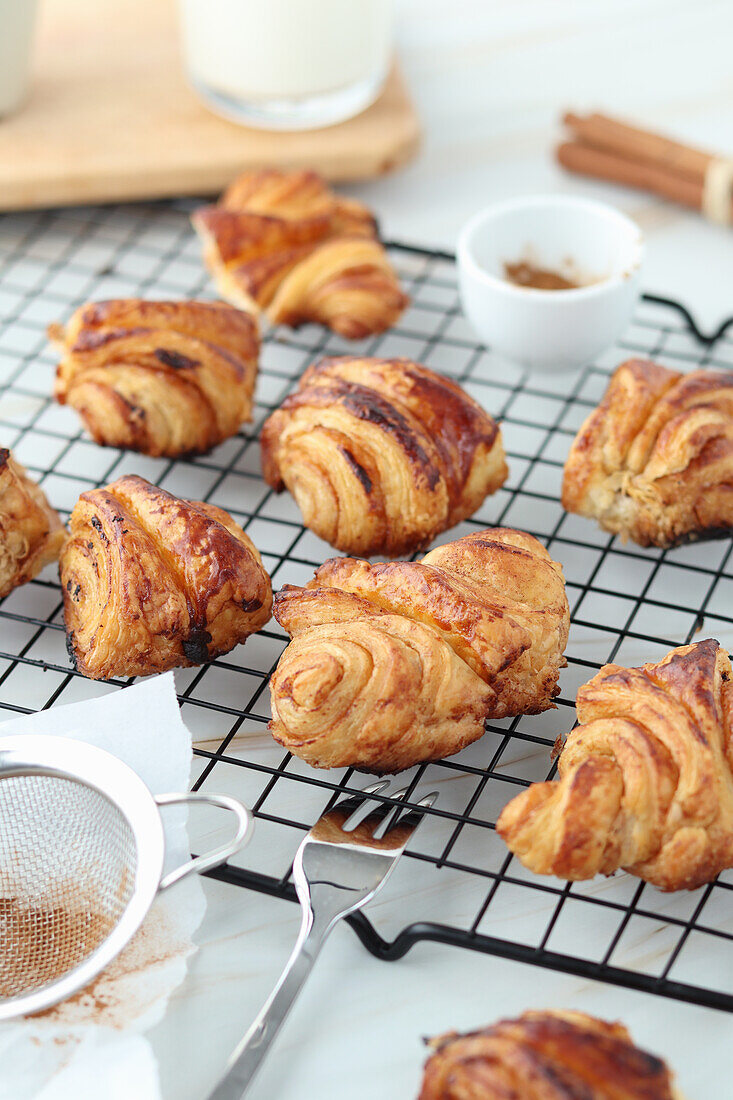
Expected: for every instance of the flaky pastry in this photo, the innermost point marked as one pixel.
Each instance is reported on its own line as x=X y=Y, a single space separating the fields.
x=284 y=243
x=164 y=378
x=31 y=532
x=654 y=461
x=645 y=780
x=151 y=582
x=545 y=1056
x=396 y=663
x=381 y=455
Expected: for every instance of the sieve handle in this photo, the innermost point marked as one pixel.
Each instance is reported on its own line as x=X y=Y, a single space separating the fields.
x=218 y=855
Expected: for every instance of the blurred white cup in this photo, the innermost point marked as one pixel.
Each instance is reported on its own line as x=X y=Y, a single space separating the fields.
x=17 y=23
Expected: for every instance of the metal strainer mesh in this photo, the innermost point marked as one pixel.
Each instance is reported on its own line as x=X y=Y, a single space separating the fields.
x=67 y=872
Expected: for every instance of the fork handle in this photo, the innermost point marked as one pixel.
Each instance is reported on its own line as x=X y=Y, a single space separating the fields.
x=251 y=1052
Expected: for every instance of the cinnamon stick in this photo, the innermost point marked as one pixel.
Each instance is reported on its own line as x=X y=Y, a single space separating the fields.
x=589 y=161
x=634 y=144
x=608 y=149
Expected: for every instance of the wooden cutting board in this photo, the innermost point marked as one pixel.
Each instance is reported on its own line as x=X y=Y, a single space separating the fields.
x=111 y=117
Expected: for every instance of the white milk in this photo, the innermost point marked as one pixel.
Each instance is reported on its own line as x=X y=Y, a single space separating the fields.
x=254 y=55
x=17 y=20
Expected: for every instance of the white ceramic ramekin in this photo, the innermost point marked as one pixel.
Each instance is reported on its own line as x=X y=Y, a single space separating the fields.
x=550 y=330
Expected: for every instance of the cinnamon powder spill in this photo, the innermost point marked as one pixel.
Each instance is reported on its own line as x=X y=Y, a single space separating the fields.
x=38 y=944
x=131 y=983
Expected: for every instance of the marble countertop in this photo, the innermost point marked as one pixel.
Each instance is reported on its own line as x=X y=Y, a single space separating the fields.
x=490 y=81
x=356 y=1030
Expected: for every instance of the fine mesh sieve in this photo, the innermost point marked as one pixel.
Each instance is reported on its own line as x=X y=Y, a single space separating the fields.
x=81 y=859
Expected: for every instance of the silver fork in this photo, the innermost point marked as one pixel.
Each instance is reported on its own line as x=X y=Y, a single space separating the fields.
x=340 y=865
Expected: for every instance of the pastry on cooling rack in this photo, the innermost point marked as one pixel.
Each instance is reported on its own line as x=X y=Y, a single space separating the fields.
x=164 y=378
x=654 y=461
x=284 y=243
x=645 y=778
x=31 y=532
x=381 y=455
x=401 y=662
x=549 y=1055
x=151 y=582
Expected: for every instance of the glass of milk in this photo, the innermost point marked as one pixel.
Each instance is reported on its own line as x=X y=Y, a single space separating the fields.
x=287 y=64
x=17 y=22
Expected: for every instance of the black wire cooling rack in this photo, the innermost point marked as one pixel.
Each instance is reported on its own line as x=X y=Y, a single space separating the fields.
x=457 y=884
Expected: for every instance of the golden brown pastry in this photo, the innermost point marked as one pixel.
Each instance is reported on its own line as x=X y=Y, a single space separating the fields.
x=645 y=778
x=545 y=1056
x=401 y=662
x=284 y=243
x=654 y=461
x=151 y=582
x=381 y=455
x=379 y=693
x=164 y=378
x=31 y=533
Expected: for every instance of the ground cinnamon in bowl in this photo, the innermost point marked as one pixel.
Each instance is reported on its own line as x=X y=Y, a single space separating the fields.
x=524 y=273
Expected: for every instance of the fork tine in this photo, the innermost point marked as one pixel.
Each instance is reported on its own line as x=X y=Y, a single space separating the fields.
x=411 y=815
x=361 y=805
x=375 y=788
x=391 y=815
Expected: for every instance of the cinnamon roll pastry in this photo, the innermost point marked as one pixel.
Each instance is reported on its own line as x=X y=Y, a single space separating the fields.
x=654 y=461
x=164 y=378
x=381 y=455
x=31 y=532
x=381 y=695
x=549 y=1055
x=284 y=243
x=151 y=582
x=513 y=572
x=397 y=663
x=645 y=779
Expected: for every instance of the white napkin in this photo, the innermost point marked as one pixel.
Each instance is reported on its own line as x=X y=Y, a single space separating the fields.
x=93 y=1044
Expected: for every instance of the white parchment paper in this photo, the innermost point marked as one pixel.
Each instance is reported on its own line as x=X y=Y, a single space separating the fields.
x=94 y=1044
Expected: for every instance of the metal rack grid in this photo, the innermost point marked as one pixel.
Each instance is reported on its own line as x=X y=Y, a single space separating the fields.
x=457 y=883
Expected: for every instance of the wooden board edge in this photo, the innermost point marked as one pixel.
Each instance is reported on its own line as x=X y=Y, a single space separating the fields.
x=113 y=186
